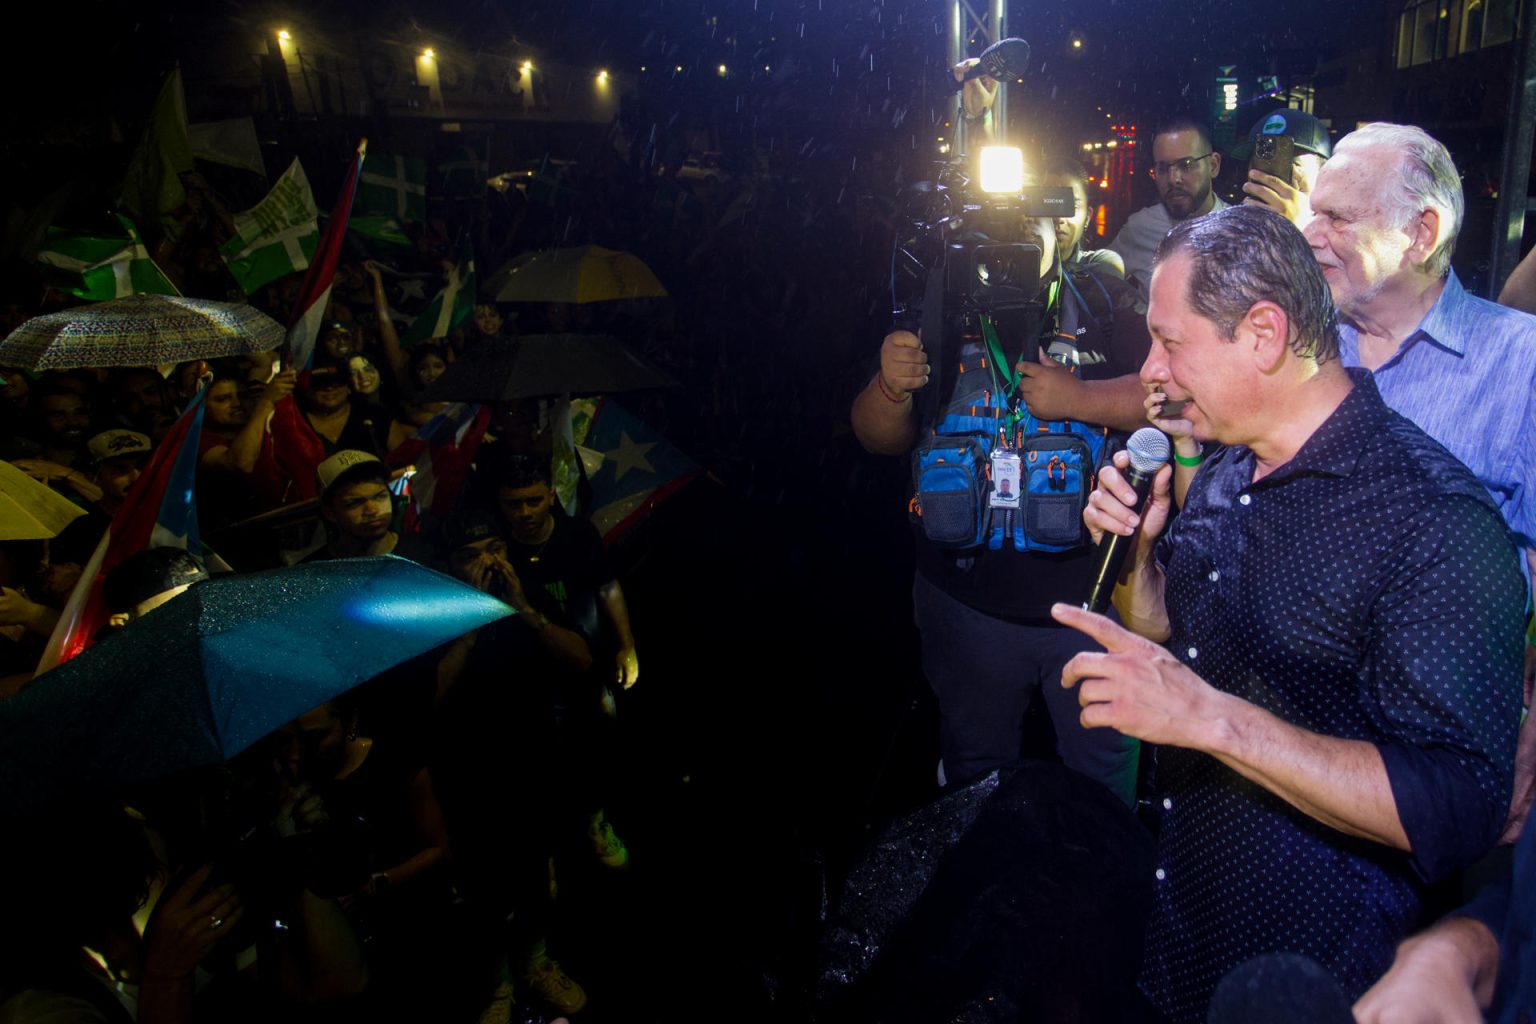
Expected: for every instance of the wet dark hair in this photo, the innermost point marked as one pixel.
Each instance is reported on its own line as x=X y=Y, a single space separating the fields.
x=1185 y=123
x=519 y=471
x=150 y=572
x=1243 y=255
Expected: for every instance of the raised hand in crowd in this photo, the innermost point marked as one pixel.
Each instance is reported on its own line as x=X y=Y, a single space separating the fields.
x=1275 y=194
x=188 y=921
x=16 y=609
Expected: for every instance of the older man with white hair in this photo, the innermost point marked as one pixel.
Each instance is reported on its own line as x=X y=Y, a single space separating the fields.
x=1387 y=207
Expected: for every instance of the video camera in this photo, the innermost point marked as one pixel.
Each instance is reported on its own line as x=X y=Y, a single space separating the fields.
x=970 y=233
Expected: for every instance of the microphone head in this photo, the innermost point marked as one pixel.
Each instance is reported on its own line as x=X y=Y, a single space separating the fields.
x=1005 y=59
x=1149 y=449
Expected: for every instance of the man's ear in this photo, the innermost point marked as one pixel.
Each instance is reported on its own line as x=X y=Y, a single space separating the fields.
x=1425 y=235
x=1268 y=330
x=326 y=513
x=1215 y=161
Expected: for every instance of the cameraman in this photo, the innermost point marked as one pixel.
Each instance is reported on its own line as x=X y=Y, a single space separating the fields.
x=984 y=615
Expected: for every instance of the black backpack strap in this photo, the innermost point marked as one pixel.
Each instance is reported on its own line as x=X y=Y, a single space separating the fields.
x=931 y=396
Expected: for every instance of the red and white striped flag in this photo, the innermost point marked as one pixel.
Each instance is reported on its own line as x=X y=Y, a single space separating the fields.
x=315 y=296
x=160 y=511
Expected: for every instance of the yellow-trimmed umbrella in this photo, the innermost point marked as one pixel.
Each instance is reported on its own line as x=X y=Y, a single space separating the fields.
x=585 y=273
x=29 y=510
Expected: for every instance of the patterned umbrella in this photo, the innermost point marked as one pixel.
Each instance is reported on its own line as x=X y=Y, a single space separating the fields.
x=140 y=330
x=585 y=273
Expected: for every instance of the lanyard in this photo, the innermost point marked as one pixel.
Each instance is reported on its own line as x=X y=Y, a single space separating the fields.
x=1006 y=379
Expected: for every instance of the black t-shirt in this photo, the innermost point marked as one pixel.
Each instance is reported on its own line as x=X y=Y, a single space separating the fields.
x=561 y=576
x=367 y=430
x=1022 y=586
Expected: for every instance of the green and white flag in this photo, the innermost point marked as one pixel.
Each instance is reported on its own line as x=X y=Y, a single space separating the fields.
x=380 y=230
x=98 y=269
x=394 y=186
x=452 y=306
x=277 y=236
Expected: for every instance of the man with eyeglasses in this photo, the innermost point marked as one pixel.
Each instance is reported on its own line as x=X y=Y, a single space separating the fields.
x=1183 y=165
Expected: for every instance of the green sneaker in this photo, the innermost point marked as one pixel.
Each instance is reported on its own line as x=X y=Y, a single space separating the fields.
x=609 y=848
x=546 y=980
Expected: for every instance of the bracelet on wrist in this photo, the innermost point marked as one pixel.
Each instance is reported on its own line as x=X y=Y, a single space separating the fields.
x=1190 y=461
x=886 y=391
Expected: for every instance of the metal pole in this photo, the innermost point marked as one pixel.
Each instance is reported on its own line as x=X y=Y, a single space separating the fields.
x=1519 y=136
x=962 y=132
x=1000 y=105
x=992 y=25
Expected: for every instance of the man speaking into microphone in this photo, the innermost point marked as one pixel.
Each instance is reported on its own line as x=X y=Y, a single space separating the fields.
x=1336 y=706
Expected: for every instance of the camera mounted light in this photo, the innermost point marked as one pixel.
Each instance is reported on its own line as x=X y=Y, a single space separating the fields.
x=1002 y=170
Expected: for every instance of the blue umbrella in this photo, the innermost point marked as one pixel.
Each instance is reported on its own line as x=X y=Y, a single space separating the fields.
x=215 y=669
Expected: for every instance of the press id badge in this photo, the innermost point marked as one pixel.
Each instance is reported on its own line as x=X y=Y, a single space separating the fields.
x=1005 y=479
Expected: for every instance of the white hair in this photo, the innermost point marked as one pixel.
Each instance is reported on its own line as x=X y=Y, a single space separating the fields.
x=1428 y=178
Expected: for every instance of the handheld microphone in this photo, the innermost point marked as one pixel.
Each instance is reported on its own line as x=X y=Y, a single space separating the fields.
x=1149 y=450
x=1004 y=60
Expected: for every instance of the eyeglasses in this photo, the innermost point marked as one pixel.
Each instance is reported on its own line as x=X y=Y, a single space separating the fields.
x=1163 y=168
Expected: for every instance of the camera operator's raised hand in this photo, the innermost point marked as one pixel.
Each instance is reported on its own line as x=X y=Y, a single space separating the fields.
x=1048 y=389
x=1276 y=194
x=903 y=365
x=882 y=413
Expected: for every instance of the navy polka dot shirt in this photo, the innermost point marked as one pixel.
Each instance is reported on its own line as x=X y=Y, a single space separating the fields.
x=1365 y=590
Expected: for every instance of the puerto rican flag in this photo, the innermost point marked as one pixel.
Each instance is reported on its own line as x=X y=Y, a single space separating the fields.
x=159 y=511
x=631 y=467
x=315 y=296
x=442 y=451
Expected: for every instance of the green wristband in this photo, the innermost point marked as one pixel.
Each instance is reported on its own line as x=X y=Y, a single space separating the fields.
x=1198 y=458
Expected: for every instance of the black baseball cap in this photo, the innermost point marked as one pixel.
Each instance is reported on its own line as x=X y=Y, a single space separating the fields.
x=471 y=526
x=1305 y=131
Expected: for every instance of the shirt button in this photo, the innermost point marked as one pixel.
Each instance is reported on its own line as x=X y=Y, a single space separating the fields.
x=1194 y=653
x=1167 y=803
x=1244 y=499
x=1161 y=874
x=1214 y=576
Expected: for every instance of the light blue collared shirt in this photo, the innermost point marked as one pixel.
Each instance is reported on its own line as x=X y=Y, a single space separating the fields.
x=1467 y=377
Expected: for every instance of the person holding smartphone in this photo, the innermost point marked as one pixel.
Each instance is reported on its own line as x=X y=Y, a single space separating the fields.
x=1285 y=150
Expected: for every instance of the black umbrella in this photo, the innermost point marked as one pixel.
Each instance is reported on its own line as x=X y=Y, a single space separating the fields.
x=215 y=669
x=546 y=364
